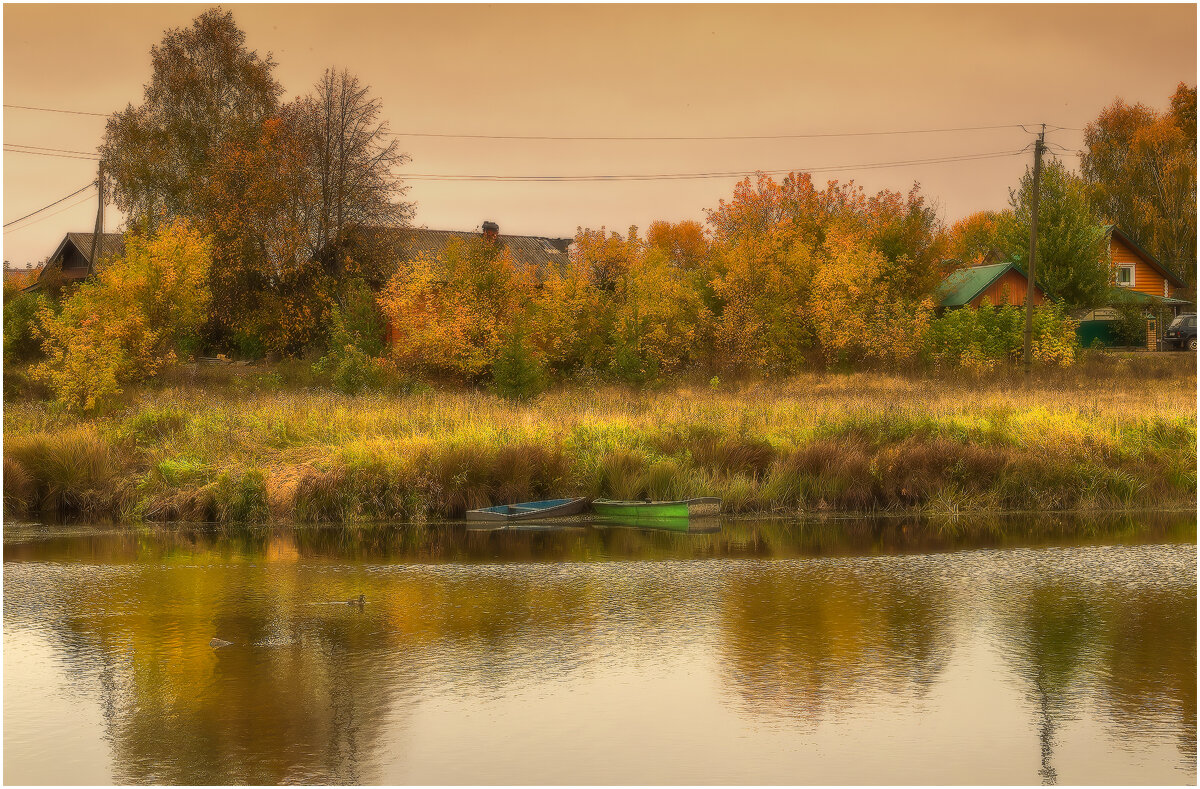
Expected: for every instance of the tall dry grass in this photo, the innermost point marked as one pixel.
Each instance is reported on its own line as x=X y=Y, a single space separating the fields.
x=1114 y=432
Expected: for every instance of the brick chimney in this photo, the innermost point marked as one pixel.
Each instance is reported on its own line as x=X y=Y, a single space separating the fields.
x=491 y=231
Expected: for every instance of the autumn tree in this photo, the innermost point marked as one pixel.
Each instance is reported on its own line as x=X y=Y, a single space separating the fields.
x=451 y=315
x=302 y=207
x=1072 y=251
x=972 y=238
x=207 y=90
x=862 y=304
x=769 y=242
x=1140 y=165
x=141 y=311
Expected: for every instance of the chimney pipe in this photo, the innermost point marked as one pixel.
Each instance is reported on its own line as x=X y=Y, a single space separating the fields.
x=491 y=231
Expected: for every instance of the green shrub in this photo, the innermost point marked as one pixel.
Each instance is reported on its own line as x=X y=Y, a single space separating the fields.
x=517 y=373
x=241 y=497
x=355 y=344
x=351 y=370
x=358 y=319
x=985 y=337
x=1130 y=326
x=21 y=340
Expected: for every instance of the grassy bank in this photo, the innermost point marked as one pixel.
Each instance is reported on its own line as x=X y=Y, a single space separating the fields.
x=1116 y=432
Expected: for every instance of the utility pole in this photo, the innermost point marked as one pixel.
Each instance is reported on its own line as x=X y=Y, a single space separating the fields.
x=1038 y=147
x=99 y=231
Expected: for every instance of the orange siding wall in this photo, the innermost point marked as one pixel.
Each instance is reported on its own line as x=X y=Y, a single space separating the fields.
x=1145 y=279
x=1009 y=289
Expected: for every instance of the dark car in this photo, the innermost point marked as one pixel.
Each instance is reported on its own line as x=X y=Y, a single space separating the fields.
x=1182 y=332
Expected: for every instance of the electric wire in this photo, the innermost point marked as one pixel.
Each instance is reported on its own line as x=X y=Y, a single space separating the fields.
x=602 y=177
x=77 y=203
x=54 y=109
x=51 y=205
x=85 y=157
x=635 y=138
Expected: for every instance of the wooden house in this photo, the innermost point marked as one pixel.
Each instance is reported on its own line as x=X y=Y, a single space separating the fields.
x=996 y=283
x=1135 y=270
x=70 y=262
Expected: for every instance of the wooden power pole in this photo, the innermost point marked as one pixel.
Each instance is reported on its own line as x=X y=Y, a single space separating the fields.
x=1038 y=147
x=99 y=231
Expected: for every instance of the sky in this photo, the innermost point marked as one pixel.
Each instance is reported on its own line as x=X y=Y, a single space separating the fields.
x=620 y=71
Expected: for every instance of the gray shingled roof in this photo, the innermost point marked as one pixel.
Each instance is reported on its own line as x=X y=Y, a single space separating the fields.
x=109 y=245
x=540 y=253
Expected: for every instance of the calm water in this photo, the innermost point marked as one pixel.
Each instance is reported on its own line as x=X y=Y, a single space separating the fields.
x=762 y=653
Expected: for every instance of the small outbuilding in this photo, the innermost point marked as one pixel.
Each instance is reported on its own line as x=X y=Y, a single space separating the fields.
x=999 y=284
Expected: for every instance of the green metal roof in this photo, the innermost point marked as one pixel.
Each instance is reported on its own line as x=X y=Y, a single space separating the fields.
x=1127 y=294
x=961 y=286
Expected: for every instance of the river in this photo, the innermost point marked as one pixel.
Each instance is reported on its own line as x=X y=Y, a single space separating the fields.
x=1037 y=651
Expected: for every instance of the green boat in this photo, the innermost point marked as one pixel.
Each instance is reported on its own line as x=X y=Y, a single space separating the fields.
x=637 y=512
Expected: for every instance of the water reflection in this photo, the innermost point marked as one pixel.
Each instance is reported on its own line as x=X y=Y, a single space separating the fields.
x=841 y=634
x=798 y=639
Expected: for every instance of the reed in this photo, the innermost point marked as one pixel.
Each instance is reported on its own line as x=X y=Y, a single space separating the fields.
x=1113 y=433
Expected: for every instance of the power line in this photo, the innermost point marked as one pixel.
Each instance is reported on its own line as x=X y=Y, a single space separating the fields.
x=51 y=205
x=47 y=216
x=679 y=138
x=635 y=138
x=85 y=157
x=701 y=175
x=58 y=150
x=54 y=109
x=600 y=177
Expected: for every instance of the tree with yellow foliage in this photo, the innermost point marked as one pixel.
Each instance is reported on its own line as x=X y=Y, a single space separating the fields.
x=143 y=310
x=860 y=308
x=450 y=315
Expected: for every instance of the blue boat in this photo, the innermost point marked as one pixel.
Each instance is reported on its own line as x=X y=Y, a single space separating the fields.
x=529 y=510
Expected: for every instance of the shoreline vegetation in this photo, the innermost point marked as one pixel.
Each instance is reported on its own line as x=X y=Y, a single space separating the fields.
x=255 y=444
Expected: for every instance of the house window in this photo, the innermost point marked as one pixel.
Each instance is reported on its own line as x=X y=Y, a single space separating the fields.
x=1125 y=276
x=1166 y=289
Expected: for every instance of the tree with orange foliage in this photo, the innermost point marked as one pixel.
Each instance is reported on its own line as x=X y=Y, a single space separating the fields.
x=973 y=237
x=451 y=315
x=770 y=242
x=1140 y=165
x=292 y=211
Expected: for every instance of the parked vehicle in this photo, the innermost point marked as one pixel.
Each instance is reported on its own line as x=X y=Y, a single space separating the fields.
x=1182 y=332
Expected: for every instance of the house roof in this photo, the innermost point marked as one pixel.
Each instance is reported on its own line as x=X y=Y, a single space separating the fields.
x=1128 y=294
x=539 y=253
x=109 y=245
x=1147 y=258
x=964 y=284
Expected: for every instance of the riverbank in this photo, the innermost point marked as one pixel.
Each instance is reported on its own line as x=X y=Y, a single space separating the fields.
x=1113 y=433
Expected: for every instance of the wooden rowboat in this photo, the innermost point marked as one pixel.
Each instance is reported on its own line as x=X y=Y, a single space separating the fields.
x=633 y=512
x=529 y=510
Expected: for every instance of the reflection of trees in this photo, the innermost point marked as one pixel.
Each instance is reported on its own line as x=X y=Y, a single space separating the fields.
x=1149 y=676
x=798 y=640
x=1051 y=633
x=306 y=690
x=1137 y=645
x=740 y=538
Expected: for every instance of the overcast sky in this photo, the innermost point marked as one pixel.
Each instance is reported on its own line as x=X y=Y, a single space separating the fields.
x=621 y=71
